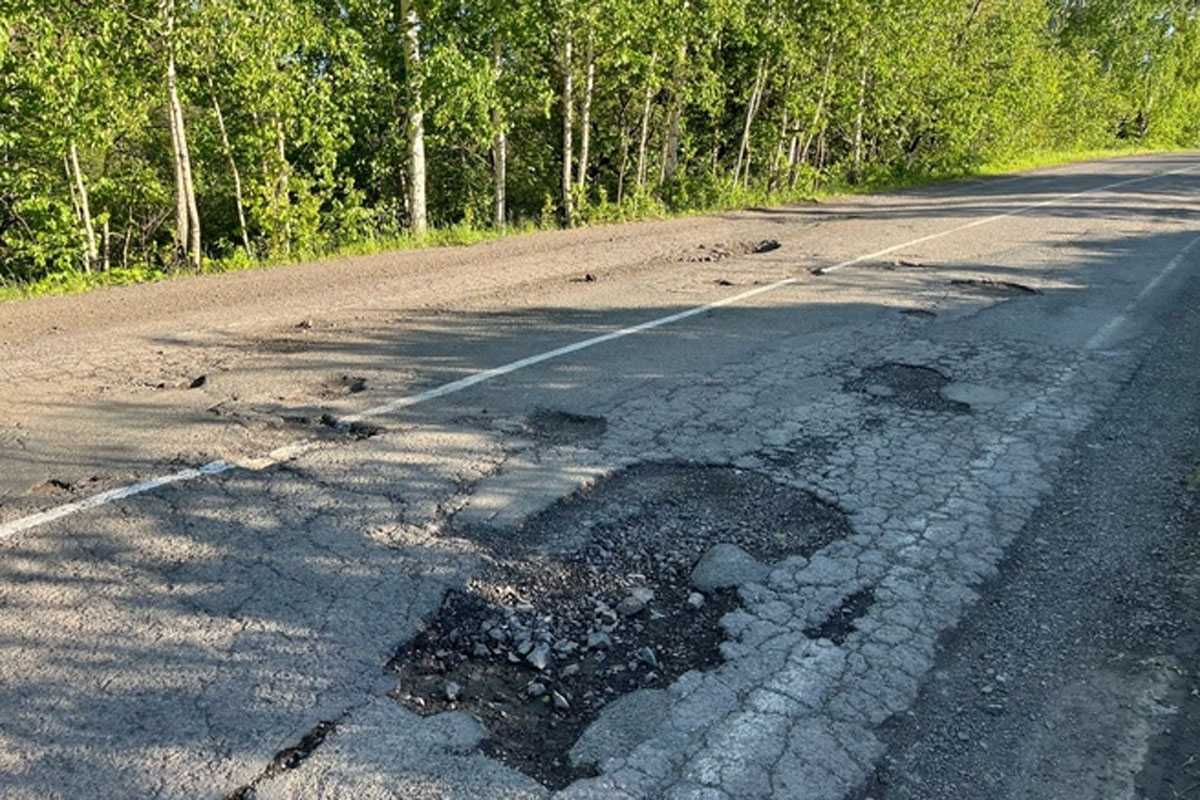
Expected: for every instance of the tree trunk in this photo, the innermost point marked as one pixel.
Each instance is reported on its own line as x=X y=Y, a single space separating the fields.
x=85 y=210
x=751 y=109
x=644 y=135
x=793 y=151
x=181 y=205
x=107 y=246
x=585 y=114
x=415 y=125
x=128 y=240
x=820 y=109
x=567 y=125
x=962 y=34
x=781 y=153
x=190 y=185
x=233 y=169
x=187 y=216
x=624 y=164
x=282 y=179
x=499 y=147
x=858 y=125
x=670 y=151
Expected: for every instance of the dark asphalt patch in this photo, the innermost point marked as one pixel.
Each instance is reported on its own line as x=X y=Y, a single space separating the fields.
x=328 y=424
x=707 y=254
x=342 y=385
x=994 y=287
x=907 y=385
x=563 y=427
x=838 y=626
x=591 y=600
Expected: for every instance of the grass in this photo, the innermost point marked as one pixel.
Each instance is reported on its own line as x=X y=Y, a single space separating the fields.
x=463 y=234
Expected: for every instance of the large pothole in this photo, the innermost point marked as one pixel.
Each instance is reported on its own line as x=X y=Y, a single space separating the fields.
x=592 y=601
x=907 y=385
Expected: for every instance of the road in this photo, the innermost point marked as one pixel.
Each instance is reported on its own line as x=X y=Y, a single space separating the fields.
x=431 y=518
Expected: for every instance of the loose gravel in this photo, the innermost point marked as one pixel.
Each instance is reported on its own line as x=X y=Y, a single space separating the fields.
x=594 y=599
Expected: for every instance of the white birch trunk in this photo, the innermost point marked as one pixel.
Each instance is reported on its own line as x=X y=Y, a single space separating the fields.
x=567 y=125
x=751 y=108
x=415 y=123
x=85 y=210
x=499 y=148
x=585 y=114
x=644 y=135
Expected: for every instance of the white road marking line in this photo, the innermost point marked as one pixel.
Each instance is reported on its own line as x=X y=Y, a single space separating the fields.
x=287 y=452
x=1102 y=337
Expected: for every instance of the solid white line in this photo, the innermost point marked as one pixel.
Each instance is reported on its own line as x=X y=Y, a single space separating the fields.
x=287 y=452
x=1101 y=337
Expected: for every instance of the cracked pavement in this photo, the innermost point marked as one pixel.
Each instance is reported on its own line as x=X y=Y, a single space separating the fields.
x=171 y=644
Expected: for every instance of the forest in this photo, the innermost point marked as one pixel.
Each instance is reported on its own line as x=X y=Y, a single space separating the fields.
x=143 y=137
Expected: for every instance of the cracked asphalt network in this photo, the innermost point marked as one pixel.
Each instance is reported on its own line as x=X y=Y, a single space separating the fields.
x=185 y=637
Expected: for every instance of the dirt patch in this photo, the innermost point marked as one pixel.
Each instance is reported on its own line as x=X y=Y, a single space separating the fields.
x=840 y=624
x=708 y=253
x=592 y=600
x=908 y=385
x=994 y=287
x=562 y=427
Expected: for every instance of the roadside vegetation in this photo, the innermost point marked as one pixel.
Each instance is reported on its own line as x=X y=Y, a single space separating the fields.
x=139 y=138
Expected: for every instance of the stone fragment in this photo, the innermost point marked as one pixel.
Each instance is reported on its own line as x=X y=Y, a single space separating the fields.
x=725 y=566
x=635 y=603
x=539 y=657
x=599 y=640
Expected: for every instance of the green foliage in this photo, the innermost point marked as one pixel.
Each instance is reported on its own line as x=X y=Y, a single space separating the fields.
x=696 y=105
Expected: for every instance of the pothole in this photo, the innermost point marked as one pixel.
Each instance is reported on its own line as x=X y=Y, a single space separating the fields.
x=894 y=264
x=52 y=486
x=561 y=427
x=706 y=253
x=995 y=287
x=920 y=313
x=592 y=600
x=838 y=626
x=329 y=425
x=907 y=385
x=342 y=385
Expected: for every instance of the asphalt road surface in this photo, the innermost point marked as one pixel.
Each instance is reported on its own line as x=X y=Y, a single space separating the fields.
x=247 y=521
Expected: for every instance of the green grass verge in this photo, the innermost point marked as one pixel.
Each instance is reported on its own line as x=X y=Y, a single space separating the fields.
x=459 y=235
